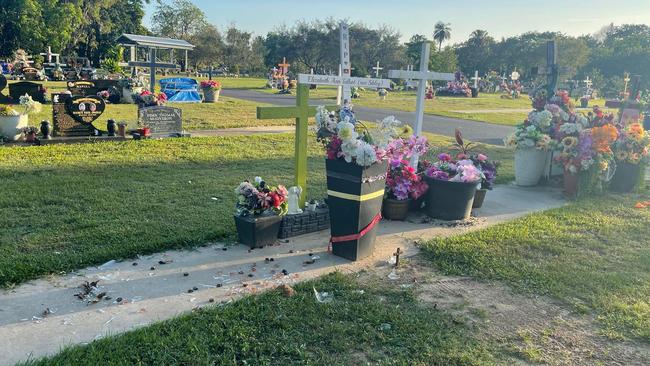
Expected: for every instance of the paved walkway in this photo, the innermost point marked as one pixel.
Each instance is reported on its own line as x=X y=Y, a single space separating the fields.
x=472 y=130
x=189 y=279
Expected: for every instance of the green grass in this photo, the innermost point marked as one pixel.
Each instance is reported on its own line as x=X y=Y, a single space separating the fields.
x=592 y=254
x=65 y=207
x=377 y=326
x=486 y=108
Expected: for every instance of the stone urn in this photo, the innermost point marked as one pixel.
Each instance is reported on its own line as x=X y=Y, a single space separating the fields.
x=211 y=95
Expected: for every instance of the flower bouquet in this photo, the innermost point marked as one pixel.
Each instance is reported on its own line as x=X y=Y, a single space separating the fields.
x=452 y=187
x=259 y=211
x=149 y=99
x=403 y=183
x=489 y=170
x=356 y=177
x=630 y=150
x=211 y=91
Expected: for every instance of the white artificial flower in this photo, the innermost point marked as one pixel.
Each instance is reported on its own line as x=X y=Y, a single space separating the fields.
x=258 y=180
x=366 y=154
x=349 y=149
x=346 y=131
x=529 y=143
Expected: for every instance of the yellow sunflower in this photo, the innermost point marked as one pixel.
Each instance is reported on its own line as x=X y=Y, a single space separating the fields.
x=569 y=142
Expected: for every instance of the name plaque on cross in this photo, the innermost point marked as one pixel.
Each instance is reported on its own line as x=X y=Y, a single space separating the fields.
x=332 y=80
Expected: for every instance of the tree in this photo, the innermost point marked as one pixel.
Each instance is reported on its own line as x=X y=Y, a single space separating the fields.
x=475 y=54
x=179 y=19
x=209 y=47
x=441 y=33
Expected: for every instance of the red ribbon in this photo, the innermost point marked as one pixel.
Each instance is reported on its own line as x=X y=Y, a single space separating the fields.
x=344 y=238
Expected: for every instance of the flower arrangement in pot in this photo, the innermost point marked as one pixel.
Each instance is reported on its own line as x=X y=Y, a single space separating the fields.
x=30 y=133
x=631 y=153
x=531 y=141
x=259 y=211
x=452 y=187
x=403 y=183
x=482 y=162
x=211 y=91
x=14 y=119
x=356 y=168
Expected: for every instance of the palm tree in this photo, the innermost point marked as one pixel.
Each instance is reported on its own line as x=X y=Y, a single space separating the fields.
x=442 y=33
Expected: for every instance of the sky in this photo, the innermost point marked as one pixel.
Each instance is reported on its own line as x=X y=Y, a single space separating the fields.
x=501 y=18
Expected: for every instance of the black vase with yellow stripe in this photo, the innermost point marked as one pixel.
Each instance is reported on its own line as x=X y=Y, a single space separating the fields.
x=355 y=195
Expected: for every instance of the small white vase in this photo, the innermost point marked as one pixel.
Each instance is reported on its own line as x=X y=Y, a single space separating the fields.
x=10 y=126
x=530 y=166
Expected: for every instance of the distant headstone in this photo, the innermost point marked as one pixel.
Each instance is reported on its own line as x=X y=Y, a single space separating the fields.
x=3 y=84
x=161 y=120
x=91 y=88
x=30 y=73
x=64 y=124
x=34 y=90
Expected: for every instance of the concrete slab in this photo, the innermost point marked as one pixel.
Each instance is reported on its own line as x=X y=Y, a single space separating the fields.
x=222 y=275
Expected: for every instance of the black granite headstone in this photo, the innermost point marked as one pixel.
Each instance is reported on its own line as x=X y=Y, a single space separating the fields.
x=85 y=109
x=161 y=120
x=65 y=123
x=34 y=90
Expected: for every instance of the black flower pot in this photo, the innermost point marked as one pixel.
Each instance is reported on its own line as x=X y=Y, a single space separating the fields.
x=355 y=196
x=626 y=177
x=479 y=198
x=258 y=231
x=396 y=210
x=449 y=200
x=46 y=130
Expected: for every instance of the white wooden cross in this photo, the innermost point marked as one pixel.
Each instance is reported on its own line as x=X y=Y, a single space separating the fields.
x=49 y=55
x=588 y=82
x=377 y=69
x=476 y=79
x=423 y=76
x=345 y=92
x=627 y=81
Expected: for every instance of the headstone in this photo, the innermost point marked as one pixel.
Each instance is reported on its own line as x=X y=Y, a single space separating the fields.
x=64 y=123
x=30 y=73
x=85 y=109
x=161 y=120
x=34 y=90
x=91 y=88
x=3 y=84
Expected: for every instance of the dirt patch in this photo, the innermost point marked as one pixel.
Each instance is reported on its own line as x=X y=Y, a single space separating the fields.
x=524 y=329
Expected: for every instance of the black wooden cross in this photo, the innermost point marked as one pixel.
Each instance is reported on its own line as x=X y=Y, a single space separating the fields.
x=153 y=65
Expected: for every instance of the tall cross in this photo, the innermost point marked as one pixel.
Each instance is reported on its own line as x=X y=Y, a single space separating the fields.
x=377 y=69
x=345 y=70
x=284 y=65
x=301 y=112
x=424 y=75
x=476 y=79
x=627 y=81
x=588 y=82
x=152 y=65
x=49 y=55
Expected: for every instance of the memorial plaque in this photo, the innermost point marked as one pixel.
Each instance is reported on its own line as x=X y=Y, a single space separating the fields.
x=85 y=109
x=64 y=124
x=161 y=120
x=91 y=88
x=34 y=90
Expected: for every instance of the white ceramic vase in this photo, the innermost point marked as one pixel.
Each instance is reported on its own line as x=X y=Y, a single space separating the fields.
x=10 y=126
x=530 y=166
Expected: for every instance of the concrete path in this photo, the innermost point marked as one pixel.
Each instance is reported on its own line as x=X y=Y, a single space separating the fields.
x=472 y=130
x=140 y=295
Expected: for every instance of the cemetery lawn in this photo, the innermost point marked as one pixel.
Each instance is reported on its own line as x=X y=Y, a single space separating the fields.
x=489 y=108
x=594 y=255
x=66 y=207
x=364 y=324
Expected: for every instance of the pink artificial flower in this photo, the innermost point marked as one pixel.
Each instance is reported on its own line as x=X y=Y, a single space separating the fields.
x=482 y=158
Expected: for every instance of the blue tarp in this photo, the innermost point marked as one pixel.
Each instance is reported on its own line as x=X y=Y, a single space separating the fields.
x=181 y=90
